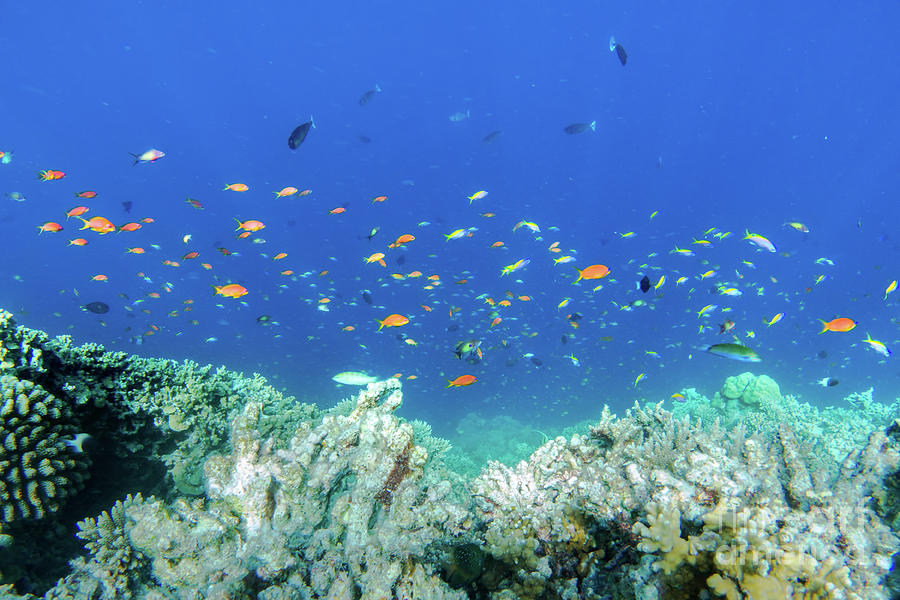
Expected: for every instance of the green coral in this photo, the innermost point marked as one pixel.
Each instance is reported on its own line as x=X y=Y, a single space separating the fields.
x=38 y=468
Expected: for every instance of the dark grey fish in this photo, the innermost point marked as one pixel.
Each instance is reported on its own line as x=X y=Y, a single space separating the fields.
x=367 y=297
x=299 y=134
x=401 y=260
x=367 y=97
x=645 y=284
x=264 y=319
x=127 y=206
x=563 y=339
x=620 y=52
x=576 y=128
x=491 y=136
x=365 y=139
x=98 y=308
x=538 y=362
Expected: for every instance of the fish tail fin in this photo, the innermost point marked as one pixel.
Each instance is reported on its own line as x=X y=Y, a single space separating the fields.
x=312 y=121
x=824 y=327
x=579 y=276
x=593 y=125
x=380 y=324
x=449 y=384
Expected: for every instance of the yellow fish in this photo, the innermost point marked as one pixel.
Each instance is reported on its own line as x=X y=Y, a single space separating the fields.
x=774 y=319
x=706 y=309
x=477 y=196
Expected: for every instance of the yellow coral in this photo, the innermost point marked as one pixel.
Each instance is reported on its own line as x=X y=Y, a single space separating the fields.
x=750 y=563
x=664 y=535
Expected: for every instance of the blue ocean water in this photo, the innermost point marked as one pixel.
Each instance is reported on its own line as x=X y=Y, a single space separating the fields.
x=726 y=118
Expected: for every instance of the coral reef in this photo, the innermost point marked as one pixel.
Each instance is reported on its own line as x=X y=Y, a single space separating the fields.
x=249 y=494
x=345 y=508
x=735 y=494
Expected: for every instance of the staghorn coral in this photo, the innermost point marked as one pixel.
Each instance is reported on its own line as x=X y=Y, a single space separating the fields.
x=701 y=489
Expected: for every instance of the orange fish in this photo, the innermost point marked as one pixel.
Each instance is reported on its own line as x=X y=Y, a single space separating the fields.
x=524 y=298
x=279 y=256
x=250 y=225
x=496 y=321
x=426 y=307
x=206 y=266
x=488 y=214
x=348 y=328
x=841 y=324
x=236 y=187
x=403 y=239
x=379 y=199
x=154 y=294
x=86 y=194
x=147 y=220
x=376 y=257
x=394 y=320
x=49 y=226
x=99 y=278
x=243 y=235
x=324 y=300
x=592 y=272
x=415 y=274
x=78 y=242
x=170 y=263
x=190 y=255
x=287 y=272
x=130 y=227
x=50 y=175
x=288 y=191
x=195 y=203
x=77 y=211
x=504 y=303
x=232 y=290
x=497 y=245
x=99 y=224
x=305 y=193
x=337 y=211
x=462 y=380
x=137 y=250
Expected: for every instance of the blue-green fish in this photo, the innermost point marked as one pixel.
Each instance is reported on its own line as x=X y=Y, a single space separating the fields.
x=734 y=352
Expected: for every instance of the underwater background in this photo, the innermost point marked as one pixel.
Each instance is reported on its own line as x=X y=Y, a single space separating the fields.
x=468 y=176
